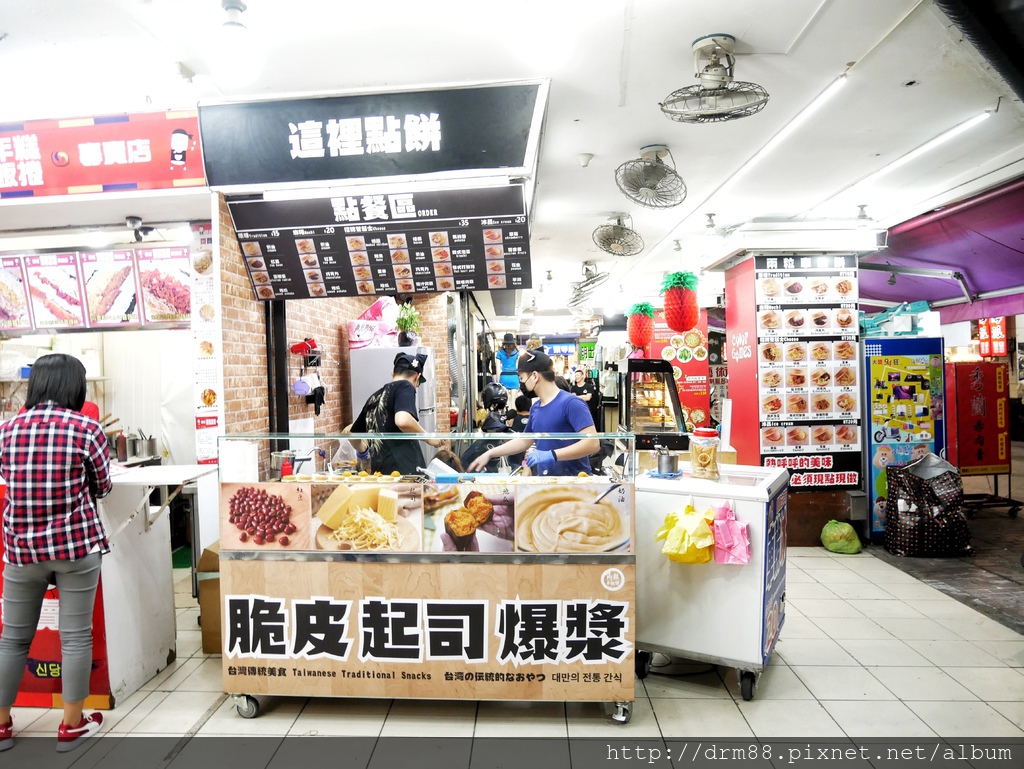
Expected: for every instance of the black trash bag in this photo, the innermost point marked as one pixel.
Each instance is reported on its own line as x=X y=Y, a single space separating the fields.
x=924 y=510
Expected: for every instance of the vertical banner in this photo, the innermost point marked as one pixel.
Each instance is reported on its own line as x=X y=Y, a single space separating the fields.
x=992 y=337
x=741 y=347
x=979 y=419
x=207 y=337
x=688 y=354
x=808 y=369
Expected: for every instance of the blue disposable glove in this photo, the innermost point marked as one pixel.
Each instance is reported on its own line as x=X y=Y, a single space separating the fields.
x=540 y=459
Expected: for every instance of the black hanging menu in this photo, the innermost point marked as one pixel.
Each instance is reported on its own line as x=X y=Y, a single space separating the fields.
x=809 y=368
x=394 y=243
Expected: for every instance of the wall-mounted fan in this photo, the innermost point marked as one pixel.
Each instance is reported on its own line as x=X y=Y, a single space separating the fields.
x=649 y=181
x=718 y=97
x=582 y=290
x=617 y=239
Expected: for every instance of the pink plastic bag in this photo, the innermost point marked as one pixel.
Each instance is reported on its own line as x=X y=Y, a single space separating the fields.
x=732 y=539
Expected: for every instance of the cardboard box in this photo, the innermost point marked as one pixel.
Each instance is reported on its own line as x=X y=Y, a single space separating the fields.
x=208 y=572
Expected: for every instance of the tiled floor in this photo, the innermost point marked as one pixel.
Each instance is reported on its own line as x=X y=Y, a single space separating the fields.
x=866 y=650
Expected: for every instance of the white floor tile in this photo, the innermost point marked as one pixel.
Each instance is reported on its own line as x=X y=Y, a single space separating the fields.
x=189 y=643
x=185 y=601
x=168 y=679
x=25 y=717
x=593 y=719
x=176 y=713
x=963 y=654
x=435 y=718
x=521 y=719
x=685 y=718
x=768 y=718
x=876 y=718
x=914 y=629
x=798 y=553
x=945 y=607
x=967 y=719
x=777 y=682
x=1012 y=711
x=341 y=716
x=884 y=653
x=841 y=683
x=991 y=685
x=822 y=564
x=276 y=717
x=851 y=628
x=859 y=591
x=922 y=684
x=813 y=607
x=138 y=715
x=800 y=627
x=910 y=591
x=980 y=628
x=812 y=651
x=208 y=677
x=802 y=591
x=888 y=607
x=840 y=576
x=45 y=725
x=702 y=686
x=797 y=576
x=1009 y=652
x=868 y=563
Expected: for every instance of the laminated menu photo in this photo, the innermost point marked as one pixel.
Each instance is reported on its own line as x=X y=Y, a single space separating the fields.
x=378 y=514
x=573 y=518
x=110 y=290
x=477 y=517
x=55 y=289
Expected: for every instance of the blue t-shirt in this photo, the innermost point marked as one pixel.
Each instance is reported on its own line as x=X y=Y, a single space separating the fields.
x=509 y=374
x=565 y=413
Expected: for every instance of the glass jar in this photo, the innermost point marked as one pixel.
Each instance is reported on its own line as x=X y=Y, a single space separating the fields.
x=704 y=453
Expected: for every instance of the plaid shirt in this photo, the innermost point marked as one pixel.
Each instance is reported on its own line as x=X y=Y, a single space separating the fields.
x=56 y=465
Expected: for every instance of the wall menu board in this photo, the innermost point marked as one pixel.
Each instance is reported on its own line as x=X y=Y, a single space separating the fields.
x=14 y=313
x=166 y=280
x=111 y=291
x=54 y=282
x=416 y=242
x=808 y=368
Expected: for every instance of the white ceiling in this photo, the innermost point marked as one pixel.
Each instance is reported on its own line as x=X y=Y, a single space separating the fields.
x=911 y=76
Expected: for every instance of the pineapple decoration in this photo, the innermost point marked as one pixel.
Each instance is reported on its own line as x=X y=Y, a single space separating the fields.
x=681 y=310
x=640 y=324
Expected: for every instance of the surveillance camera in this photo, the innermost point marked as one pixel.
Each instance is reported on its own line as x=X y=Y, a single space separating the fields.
x=133 y=222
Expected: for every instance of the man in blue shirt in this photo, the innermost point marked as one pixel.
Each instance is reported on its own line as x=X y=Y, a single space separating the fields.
x=556 y=411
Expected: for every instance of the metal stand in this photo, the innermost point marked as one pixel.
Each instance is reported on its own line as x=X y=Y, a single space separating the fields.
x=975 y=502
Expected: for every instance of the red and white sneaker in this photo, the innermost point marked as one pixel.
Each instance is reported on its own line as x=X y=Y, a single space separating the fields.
x=70 y=737
x=7 y=735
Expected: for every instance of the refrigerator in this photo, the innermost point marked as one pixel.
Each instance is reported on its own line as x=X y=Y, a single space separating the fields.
x=905 y=415
x=370 y=369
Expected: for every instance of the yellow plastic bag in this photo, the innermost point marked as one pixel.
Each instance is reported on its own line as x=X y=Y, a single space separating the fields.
x=688 y=537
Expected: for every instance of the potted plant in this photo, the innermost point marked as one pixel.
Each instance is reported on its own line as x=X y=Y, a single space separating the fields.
x=408 y=323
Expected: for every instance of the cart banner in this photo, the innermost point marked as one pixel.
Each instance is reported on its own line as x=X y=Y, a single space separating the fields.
x=979 y=417
x=294 y=141
x=114 y=153
x=741 y=346
x=808 y=368
x=382 y=514
x=481 y=631
x=774 y=590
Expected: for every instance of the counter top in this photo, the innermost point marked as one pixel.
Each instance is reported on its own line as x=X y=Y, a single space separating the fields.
x=158 y=475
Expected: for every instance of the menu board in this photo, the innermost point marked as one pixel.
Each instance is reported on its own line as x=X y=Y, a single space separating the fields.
x=688 y=354
x=166 y=284
x=54 y=282
x=361 y=245
x=111 y=292
x=808 y=368
x=14 y=313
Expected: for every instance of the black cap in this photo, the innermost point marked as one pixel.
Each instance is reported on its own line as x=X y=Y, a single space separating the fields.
x=406 y=362
x=508 y=339
x=535 y=360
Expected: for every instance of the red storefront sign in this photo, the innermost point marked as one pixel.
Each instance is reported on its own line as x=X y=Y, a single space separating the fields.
x=114 y=153
x=992 y=337
x=978 y=425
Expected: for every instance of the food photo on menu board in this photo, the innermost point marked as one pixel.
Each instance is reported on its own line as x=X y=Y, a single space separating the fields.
x=165 y=278
x=475 y=517
x=379 y=515
x=110 y=290
x=572 y=518
x=14 y=313
x=55 y=288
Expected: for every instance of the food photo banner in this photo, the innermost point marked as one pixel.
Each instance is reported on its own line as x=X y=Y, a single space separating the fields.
x=401 y=242
x=113 y=153
x=488 y=128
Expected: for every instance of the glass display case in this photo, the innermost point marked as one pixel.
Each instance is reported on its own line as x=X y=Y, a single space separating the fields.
x=649 y=405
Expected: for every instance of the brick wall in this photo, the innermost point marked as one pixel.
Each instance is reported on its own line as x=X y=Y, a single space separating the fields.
x=246 y=402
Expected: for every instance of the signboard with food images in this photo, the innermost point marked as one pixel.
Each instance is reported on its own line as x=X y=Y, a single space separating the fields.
x=808 y=368
x=688 y=353
x=14 y=312
x=415 y=242
x=166 y=284
x=55 y=287
x=110 y=290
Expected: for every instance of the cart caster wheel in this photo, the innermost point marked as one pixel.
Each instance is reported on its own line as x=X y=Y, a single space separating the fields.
x=748 y=683
x=1013 y=512
x=623 y=712
x=247 y=706
x=643 y=664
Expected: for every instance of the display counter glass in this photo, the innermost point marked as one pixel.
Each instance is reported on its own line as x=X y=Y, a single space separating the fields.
x=649 y=405
x=435 y=584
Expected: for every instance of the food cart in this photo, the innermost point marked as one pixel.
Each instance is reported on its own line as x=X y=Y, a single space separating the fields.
x=725 y=614
x=484 y=587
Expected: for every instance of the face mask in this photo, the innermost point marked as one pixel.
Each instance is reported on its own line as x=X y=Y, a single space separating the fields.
x=523 y=389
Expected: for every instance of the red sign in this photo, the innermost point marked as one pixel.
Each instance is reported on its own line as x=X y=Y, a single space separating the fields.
x=688 y=354
x=992 y=337
x=741 y=351
x=116 y=153
x=978 y=419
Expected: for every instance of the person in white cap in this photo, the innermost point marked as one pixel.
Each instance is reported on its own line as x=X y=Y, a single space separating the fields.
x=392 y=409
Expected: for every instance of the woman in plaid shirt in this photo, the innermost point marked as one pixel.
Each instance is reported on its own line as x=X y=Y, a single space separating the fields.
x=56 y=465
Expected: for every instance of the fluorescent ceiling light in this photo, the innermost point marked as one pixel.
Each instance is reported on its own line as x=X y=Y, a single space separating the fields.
x=372 y=187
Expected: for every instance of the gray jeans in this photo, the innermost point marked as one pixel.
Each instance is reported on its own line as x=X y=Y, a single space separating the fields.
x=24 y=590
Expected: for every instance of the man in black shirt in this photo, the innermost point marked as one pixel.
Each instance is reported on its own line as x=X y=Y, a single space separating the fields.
x=392 y=409
x=587 y=391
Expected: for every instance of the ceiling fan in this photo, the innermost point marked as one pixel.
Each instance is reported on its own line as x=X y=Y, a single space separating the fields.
x=582 y=290
x=617 y=239
x=718 y=97
x=649 y=181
